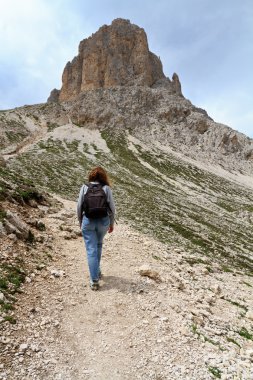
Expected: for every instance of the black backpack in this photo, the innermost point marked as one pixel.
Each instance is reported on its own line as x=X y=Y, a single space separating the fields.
x=95 y=203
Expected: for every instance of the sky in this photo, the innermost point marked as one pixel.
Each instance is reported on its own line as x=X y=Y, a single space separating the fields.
x=208 y=43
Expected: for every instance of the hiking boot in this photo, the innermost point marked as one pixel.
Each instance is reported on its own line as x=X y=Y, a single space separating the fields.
x=94 y=285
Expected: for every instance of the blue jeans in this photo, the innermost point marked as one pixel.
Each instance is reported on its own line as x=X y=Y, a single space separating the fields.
x=93 y=231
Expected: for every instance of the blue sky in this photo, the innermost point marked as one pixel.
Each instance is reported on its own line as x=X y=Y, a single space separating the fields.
x=208 y=43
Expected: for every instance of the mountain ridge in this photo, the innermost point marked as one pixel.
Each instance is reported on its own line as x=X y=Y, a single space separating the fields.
x=151 y=114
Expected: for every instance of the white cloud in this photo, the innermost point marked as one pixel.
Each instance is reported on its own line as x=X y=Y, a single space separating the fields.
x=37 y=38
x=24 y=26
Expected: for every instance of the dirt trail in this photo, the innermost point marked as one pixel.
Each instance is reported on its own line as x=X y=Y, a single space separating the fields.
x=26 y=144
x=133 y=327
x=109 y=333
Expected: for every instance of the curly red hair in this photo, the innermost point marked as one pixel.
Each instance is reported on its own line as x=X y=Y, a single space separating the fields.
x=99 y=174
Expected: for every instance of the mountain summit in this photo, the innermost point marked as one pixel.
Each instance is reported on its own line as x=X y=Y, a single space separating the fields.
x=116 y=55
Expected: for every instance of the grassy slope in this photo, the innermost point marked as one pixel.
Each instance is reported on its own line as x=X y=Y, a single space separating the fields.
x=174 y=201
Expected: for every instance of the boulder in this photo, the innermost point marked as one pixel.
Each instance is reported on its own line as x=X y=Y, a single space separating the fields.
x=2 y=230
x=2 y=297
x=249 y=315
x=13 y=224
x=2 y=161
x=57 y=273
x=146 y=271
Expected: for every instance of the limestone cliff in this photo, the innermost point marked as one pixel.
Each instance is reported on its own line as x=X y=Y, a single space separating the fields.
x=116 y=55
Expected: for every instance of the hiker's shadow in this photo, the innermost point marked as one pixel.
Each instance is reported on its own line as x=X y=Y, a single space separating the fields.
x=125 y=285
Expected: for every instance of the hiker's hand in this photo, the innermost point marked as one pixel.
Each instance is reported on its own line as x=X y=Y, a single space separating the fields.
x=110 y=230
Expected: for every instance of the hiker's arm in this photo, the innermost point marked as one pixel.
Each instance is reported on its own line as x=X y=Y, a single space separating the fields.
x=111 y=203
x=79 y=205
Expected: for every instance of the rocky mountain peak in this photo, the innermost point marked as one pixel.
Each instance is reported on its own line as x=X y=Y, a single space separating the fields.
x=116 y=55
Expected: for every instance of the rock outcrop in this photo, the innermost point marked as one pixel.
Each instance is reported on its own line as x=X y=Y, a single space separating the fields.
x=176 y=84
x=54 y=96
x=14 y=225
x=116 y=55
x=2 y=161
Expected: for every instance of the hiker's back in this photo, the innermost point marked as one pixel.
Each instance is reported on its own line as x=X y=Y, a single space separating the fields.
x=95 y=202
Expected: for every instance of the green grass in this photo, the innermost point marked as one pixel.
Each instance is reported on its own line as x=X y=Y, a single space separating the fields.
x=51 y=126
x=226 y=269
x=225 y=206
x=14 y=132
x=248 y=207
x=247 y=284
x=10 y=319
x=235 y=303
x=233 y=341
x=11 y=274
x=2 y=215
x=194 y=330
x=72 y=146
x=245 y=333
x=31 y=238
x=156 y=257
x=5 y=306
x=215 y=371
x=56 y=167
x=15 y=276
x=14 y=186
x=51 y=146
x=3 y=283
x=209 y=340
x=26 y=194
x=41 y=226
x=171 y=213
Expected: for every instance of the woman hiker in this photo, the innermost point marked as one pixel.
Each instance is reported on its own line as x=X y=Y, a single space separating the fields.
x=96 y=212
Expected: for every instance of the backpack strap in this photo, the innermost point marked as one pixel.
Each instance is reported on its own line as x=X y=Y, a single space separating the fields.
x=90 y=185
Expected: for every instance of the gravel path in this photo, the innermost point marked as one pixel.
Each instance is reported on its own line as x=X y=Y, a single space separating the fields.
x=183 y=326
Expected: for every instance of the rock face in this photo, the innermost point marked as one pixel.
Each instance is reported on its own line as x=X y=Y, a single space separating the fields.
x=116 y=55
x=2 y=161
x=54 y=96
x=13 y=224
